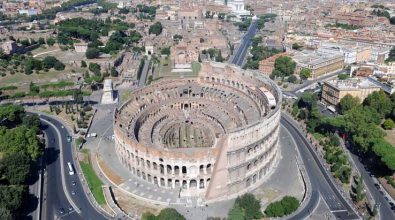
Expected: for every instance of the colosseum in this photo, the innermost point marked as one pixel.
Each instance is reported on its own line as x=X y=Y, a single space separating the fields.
x=214 y=136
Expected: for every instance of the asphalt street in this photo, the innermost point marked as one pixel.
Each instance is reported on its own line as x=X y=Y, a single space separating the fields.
x=55 y=197
x=241 y=52
x=320 y=181
x=385 y=209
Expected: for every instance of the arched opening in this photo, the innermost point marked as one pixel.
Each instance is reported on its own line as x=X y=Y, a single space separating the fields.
x=208 y=168
x=162 y=169
x=148 y=164
x=184 y=170
x=193 y=184
x=177 y=183
x=156 y=180
x=169 y=169
x=155 y=165
x=176 y=170
x=149 y=178
x=248 y=183
x=201 y=184
x=143 y=175
x=201 y=169
x=248 y=166
x=254 y=178
x=162 y=182
x=184 y=184
x=170 y=183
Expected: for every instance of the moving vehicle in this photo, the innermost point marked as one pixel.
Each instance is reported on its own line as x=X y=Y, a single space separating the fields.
x=71 y=169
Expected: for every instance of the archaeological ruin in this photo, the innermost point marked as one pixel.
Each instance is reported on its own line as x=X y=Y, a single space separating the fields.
x=214 y=136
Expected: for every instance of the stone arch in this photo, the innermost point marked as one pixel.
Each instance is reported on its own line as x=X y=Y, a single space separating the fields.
x=162 y=169
x=148 y=163
x=155 y=165
x=176 y=170
x=208 y=168
x=156 y=180
x=184 y=170
x=248 y=166
x=193 y=184
x=162 y=181
x=201 y=169
x=184 y=184
x=170 y=183
x=248 y=182
x=201 y=184
x=169 y=169
x=177 y=183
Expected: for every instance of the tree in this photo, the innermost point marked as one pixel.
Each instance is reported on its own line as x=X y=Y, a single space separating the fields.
x=165 y=51
x=170 y=214
x=348 y=102
x=11 y=112
x=59 y=66
x=49 y=62
x=5 y=214
x=284 y=66
x=94 y=67
x=305 y=73
x=285 y=206
x=391 y=55
x=296 y=46
x=236 y=213
x=114 y=72
x=92 y=53
x=15 y=167
x=156 y=28
x=386 y=152
x=41 y=41
x=11 y=197
x=51 y=41
x=219 y=57
x=358 y=190
x=292 y=79
x=388 y=124
x=250 y=205
x=33 y=88
x=392 y=20
x=380 y=102
x=83 y=64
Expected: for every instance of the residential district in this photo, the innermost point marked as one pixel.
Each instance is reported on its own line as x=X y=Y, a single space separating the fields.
x=197 y=109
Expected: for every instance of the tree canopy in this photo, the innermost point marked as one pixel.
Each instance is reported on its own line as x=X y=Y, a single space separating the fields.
x=155 y=28
x=285 y=206
x=347 y=103
x=283 y=66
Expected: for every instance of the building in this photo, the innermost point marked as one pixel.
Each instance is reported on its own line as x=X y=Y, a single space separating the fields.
x=318 y=63
x=28 y=12
x=334 y=90
x=80 y=47
x=10 y=47
x=237 y=6
x=108 y=96
x=213 y=137
x=266 y=66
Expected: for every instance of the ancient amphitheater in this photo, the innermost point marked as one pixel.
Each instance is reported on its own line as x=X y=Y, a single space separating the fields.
x=214 y=136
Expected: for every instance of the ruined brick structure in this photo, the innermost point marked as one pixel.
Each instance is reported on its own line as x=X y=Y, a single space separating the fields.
x=214 y=136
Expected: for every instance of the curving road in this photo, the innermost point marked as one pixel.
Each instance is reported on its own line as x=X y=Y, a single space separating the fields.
x=320 y=181
x=57 y=191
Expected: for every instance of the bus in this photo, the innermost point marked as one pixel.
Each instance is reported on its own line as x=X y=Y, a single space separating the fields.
x=71 y=170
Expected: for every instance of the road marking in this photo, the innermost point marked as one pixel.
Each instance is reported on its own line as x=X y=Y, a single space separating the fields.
x=342 y=210
x=62 y=167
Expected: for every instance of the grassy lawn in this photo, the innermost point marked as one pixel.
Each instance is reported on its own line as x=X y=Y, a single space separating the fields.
x=94 y=183
x=20 y=79
x=196 y=68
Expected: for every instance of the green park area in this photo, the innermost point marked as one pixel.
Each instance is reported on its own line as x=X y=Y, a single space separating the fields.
x=94 y=183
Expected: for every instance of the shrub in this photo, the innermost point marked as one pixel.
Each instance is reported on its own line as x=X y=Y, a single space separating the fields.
x=388 y=124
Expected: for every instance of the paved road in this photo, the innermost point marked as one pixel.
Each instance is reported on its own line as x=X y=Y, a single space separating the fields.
x=320 y=180
x=55 y=196
x=385 y=209
x=241 y=52
x=144 y=73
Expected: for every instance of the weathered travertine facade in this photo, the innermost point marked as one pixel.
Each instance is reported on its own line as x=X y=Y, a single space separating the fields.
x=213 y=136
